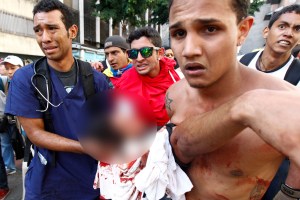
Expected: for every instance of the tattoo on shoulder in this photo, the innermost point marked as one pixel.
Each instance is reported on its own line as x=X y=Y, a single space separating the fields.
x=168 y=102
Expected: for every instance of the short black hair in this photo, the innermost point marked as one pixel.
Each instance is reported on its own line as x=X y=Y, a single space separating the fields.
x=50 y=5
x=240 y=7
x=288 y=9
x=147 y=32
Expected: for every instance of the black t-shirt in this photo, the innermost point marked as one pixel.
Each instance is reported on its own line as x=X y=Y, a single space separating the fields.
x=68 y=79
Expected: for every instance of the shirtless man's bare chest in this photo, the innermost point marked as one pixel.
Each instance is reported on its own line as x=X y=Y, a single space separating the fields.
x=241 y=169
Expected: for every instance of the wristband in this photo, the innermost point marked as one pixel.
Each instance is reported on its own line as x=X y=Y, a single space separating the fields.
x=287 y=190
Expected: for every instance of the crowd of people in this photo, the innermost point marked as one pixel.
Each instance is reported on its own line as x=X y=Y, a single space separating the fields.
x=225 y=126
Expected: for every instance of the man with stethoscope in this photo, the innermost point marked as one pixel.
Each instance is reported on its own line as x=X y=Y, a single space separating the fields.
x=60 y=169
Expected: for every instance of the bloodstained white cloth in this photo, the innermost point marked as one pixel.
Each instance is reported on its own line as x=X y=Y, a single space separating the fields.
x=116 y=181
x=162 y=176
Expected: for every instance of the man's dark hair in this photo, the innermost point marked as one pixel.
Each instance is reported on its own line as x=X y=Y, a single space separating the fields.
x=50 y=5
x=147 y=32
x=240 y=7
x=288 y=9
x=167 y=47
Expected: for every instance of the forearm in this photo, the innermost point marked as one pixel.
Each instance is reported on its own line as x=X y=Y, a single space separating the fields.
x=54 y=142
x=293 y=178
x=274 y=116
x=34 y=129
x=291 y=189
x=205 y=133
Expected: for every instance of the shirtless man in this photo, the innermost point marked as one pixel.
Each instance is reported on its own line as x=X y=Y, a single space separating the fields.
x=228 y=158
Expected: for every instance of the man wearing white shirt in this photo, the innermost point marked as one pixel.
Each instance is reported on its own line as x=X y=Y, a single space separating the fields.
x=281 y=35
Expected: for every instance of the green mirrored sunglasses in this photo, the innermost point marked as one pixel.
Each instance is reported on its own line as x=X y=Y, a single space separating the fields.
x=146 y=52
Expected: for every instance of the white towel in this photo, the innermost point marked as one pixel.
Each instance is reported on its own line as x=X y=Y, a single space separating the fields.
x=162 y=175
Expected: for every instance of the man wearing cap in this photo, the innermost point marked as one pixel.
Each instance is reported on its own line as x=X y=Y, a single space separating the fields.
x=115 y=51
x=12 y=64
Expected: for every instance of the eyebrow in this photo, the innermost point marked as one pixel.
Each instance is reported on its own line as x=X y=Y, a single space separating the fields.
x=287 y=23
x=35 y=27
x=196 y=21
x=47 y=25
x=112 y=52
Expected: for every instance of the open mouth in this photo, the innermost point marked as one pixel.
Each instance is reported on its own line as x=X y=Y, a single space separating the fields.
x=284 y=42
x=194 y=69
x=141 y=67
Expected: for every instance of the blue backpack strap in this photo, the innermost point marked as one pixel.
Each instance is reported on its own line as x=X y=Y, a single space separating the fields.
x=246 y=59
x=293 y=73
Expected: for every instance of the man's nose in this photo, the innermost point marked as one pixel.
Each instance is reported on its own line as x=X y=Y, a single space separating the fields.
x=46 y=37
x=191 y=46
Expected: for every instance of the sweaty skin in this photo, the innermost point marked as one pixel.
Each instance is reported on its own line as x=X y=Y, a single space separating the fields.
x=234 y=163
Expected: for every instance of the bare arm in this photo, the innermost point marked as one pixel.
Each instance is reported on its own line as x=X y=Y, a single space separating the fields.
x=35 y=131
x=168 y=104
x=274 y=116
x=205 y=133
x=293 y=178
x=292 y=181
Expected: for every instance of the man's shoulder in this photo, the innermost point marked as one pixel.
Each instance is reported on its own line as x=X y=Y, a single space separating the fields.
x=28 y=69
x=248 y=57
x=129 y=72
x=98 y=75
x=23 y=74
x=100 y=81
x=127 y=77
x=254 y=79
x=178 y=88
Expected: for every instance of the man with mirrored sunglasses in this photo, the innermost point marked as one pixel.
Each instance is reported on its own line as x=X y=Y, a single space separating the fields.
x=148 y=80
x=145 y=52
x=152 y=73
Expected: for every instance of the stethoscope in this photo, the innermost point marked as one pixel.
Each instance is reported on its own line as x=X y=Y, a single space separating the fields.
x=47 y=98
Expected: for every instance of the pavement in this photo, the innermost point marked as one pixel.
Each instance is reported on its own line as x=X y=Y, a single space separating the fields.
x=15 y=183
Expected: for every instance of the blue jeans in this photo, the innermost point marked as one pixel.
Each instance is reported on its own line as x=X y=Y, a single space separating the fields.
x=7 y=151
x=3 y=176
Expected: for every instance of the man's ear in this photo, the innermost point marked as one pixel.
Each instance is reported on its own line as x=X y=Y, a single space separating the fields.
x=244 y=28
x=266 y=32
x=73 y=30
x=161 y=52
